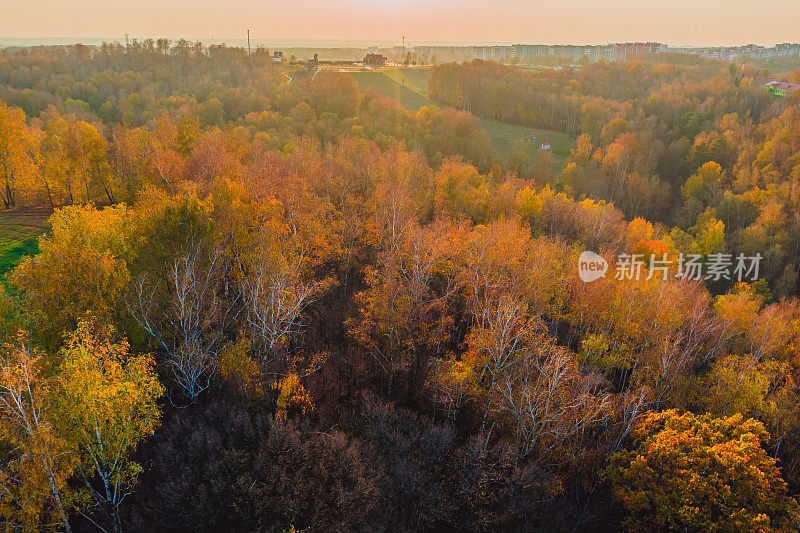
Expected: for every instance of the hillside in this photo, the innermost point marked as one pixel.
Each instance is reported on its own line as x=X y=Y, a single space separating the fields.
x=409 y=85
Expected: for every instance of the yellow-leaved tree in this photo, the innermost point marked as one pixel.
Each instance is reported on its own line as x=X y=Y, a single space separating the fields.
x=81 y=268
x=19 y=151
x=108 y=404
x=36 y=459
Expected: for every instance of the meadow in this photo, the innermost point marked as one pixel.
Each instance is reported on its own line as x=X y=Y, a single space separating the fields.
x=19 y=235
x=410 y=86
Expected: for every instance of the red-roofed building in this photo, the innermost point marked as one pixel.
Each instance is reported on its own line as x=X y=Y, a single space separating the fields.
x=375 y=60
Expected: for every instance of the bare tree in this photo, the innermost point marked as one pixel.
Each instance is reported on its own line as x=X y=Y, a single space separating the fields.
x=189 y=325
x=548 y=396
x=275 y=298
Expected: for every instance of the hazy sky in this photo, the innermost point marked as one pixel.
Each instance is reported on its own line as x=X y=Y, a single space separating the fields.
x=533 y=21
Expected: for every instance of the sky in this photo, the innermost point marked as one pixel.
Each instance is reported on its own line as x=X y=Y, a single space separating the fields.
x=675 y=22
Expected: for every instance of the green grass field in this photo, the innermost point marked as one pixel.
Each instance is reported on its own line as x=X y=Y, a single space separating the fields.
x=19 y=235
x=376 y=79
x=415 y=78
x=410 y=86
x=503 y=135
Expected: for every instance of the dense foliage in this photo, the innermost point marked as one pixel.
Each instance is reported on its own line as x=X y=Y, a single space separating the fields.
x=269 y=302
x=694 y=147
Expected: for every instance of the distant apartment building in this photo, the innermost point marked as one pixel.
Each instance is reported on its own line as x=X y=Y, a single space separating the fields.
x=729 y=53
x=608 y=52
x=591 y=52
x=501 y=54
x=751 y=50
x=480 y=52
x=527 y=52
x=787 y=49
x=564 y=50
x=445 y=53
x=723 y=53
x=623 y=50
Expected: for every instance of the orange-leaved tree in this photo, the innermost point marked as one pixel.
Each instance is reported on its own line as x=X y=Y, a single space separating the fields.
x=699 y=473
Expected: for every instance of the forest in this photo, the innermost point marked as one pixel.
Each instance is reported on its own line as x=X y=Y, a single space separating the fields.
x=266 y=301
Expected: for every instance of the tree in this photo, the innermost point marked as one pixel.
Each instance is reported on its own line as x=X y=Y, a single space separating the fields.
x=705 y=186
x=189 y=325
x=548 y=397
x=403 y=317
x=275 y=295
x=509 y=283
x=135 y=155
x=38 y=461
x=55 y=170
x=660 y=331
x=108 y=405
x=88 y=159
x=333 y=92
x=462 y=191
x=246 y=471
x=81 y=268
x=180 y=297
x=697 y=472
x=19 y=151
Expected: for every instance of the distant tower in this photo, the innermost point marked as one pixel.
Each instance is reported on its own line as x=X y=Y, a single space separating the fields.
x=248 y=42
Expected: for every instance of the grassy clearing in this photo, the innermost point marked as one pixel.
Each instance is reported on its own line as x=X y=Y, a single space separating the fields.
x=410 y=86
x=411 y=100
x=503 y=136
x=19 y=235
x=415 y=79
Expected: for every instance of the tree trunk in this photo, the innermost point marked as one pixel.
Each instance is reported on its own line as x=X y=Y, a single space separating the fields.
x=56 y=496
x=61 y=511
x=113 y=506
x=117 y=523
x=49 y=195
x=7 y=198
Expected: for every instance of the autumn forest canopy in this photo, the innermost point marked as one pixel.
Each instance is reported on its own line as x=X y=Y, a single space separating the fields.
x=264 y=300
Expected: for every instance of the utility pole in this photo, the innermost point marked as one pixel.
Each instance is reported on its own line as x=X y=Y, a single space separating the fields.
x=248 y=42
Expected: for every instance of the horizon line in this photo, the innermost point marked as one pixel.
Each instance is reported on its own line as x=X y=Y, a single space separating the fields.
x=298 y=41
